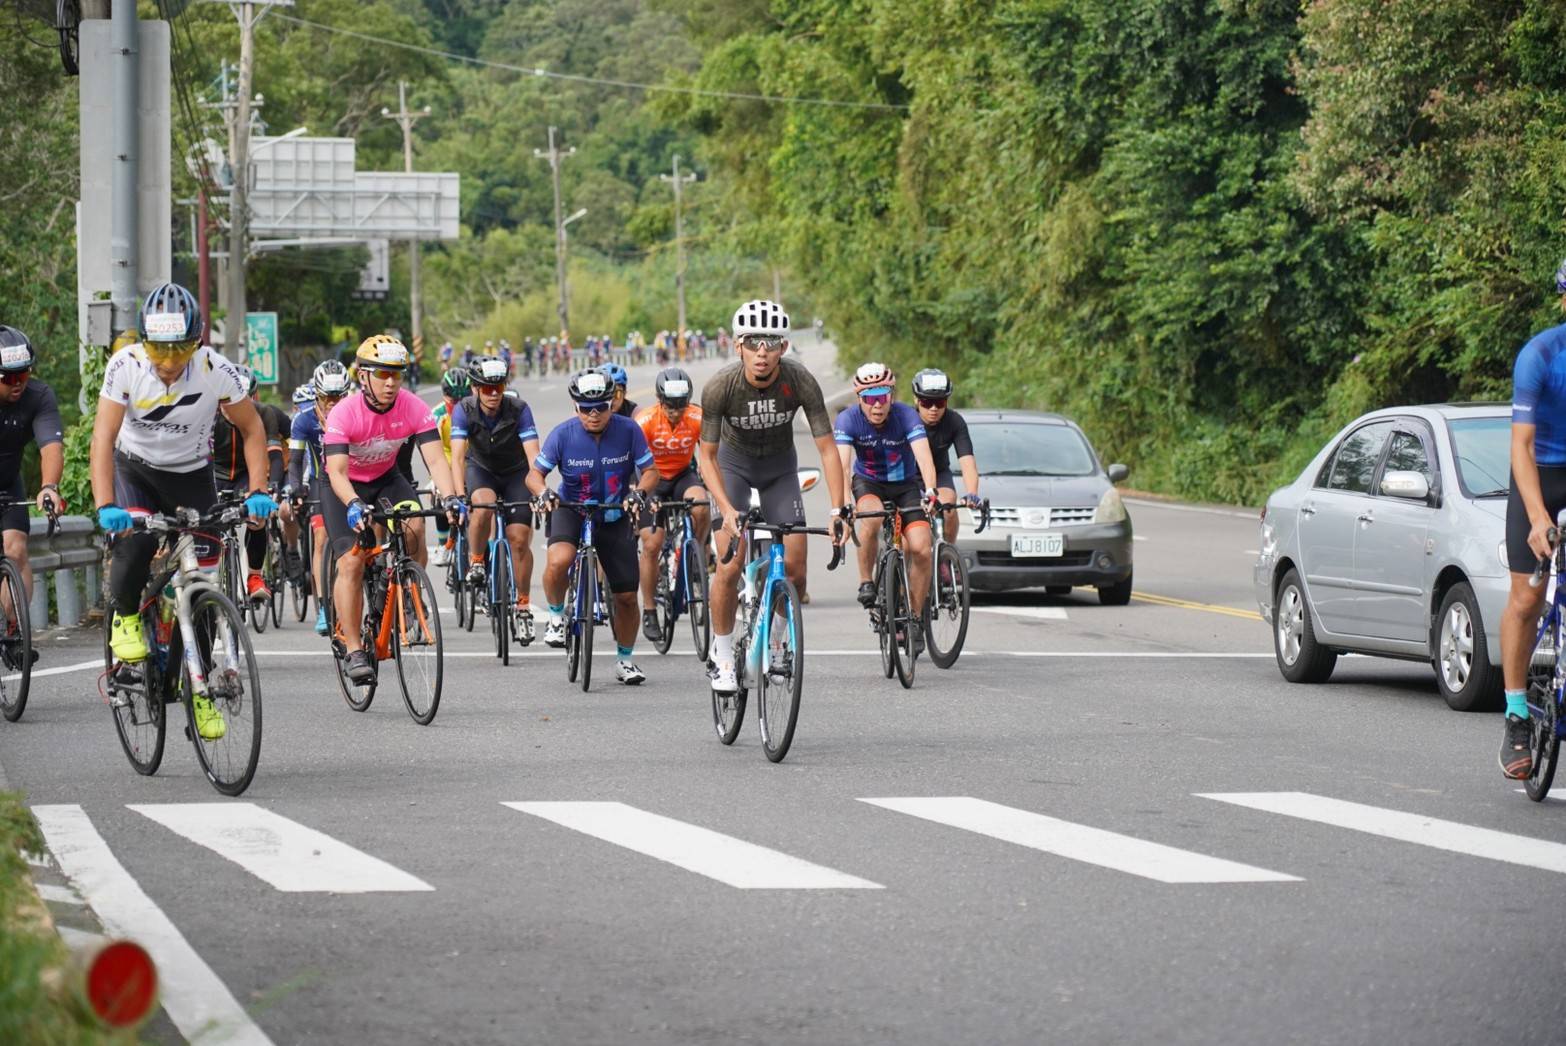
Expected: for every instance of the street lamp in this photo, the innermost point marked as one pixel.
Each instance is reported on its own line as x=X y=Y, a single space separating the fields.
x=565 y=283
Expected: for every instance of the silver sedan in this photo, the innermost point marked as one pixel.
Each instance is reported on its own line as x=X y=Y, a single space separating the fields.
x=1392 y=542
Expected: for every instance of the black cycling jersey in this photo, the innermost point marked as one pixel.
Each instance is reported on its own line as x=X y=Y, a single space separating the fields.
x=951 y=431
x=228 y=454
x=627 y=408
x=495 y=443
x=33 y=418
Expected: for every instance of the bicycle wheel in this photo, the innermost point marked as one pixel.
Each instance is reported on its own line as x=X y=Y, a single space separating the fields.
x=782 y=674
x=136 y=697
x=728 y=710
x=694 y=563
x=1544 y=718
x=573 y=644
x=586 y=619
x=16 y=641
x=233 y=682
x=663 y=609
x=301 y=593
x=357 y=695
x=905 y=627
x=947 y=625
x=276 y=580
x=501 y=602
x=416 y=642
x=886 y=566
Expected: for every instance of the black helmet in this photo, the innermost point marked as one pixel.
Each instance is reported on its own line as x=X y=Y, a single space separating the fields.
x=673 y=386
x=488 y=370
x=16 y=352
x=932 y=384
x=591 y=386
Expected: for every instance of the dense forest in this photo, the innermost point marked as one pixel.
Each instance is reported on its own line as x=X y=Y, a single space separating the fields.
x=1210 y=230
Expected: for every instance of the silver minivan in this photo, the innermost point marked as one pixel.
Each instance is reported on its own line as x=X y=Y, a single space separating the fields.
x=1392 y=542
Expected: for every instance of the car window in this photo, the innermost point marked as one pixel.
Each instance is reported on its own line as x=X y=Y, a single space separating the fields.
x=1003 y=449
x=1483 y=449
x=1355 y=463
x=1406 y=453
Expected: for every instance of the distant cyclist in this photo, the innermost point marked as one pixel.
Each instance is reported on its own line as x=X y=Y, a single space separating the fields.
x=747 y=441
x=228 y=465
x=307 y=468
x=672 y=428
x=453 y=387
x=626 y=408
x=599 y=455
x=28 y=414
x=947 y=431
x=493 y=443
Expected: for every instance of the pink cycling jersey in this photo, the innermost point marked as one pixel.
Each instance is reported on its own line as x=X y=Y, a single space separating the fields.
x=372 y=439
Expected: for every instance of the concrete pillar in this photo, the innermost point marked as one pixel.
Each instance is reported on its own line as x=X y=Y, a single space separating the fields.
x=67 y=598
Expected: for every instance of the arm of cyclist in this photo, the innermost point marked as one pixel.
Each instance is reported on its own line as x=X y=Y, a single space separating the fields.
x=252 y=432
x=459 y=463
x=926 y=462
x=970 y=478
x=49 y=434
x=439 y=468
x=1525 y=473
x=832 y=466
x=105 y=430
x=712 y=478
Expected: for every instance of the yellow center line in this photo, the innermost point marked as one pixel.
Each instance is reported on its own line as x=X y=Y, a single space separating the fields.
x=1186 y=604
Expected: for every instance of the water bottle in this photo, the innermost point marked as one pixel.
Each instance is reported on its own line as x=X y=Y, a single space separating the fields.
x=164 y=630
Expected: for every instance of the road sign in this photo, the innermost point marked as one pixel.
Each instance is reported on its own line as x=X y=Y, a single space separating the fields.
x=261 y=341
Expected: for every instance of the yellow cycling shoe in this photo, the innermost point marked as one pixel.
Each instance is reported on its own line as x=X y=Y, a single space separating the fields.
x=209 y=721
x=126 y=639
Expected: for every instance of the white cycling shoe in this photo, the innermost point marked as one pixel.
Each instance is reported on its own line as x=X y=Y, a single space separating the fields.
x=627 y=673
x=554 y=632
x=723 y=679
x=440 y=556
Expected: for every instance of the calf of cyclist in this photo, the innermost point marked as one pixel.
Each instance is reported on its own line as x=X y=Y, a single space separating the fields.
x=493 y=443
x=891 y=463
x=1538 y=493
x=946 y=431
x=599 y=455
x=747 y=441
x=364 y=434
x=28 y=414
x=672 y=428
x=307 y=469
x=231 y=472
x=151 y=453
x=453 y=388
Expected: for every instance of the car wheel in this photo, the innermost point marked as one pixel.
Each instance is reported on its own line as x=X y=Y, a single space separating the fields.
x=1057 y=590
x=1116 y=595
x=1462 y=657
x=1300 y=658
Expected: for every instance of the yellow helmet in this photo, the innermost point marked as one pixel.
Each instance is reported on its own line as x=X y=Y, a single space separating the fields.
x=382 y=351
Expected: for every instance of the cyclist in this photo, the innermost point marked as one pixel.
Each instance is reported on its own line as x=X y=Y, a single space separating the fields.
x=151 y=452
x=493 y=442
x=891 y=463
x=307 y=467
x=749 y=407
x=453 y=386
x=363 y=435
x=229 y=468
x=28 y=414
x=597 y=453
x=527 y=356
x=616 y=374
x=946 y=429
x=447 y=351
x=672 y=429
x=303 y=400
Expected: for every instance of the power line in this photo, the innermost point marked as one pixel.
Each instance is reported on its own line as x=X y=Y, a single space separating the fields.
x=602 y=81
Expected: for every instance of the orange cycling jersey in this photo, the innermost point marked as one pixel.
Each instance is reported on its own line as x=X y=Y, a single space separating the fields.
x=673 y=445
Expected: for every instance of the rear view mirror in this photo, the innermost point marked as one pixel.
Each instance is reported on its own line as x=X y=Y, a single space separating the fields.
x=1410 y=485
x=1118 y=473
x=808 y=478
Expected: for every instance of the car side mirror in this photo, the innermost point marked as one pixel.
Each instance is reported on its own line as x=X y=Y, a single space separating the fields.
x=1118 y=473
x=1410 y=485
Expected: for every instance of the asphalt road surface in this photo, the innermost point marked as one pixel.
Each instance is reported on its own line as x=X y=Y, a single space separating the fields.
x=1104 y=825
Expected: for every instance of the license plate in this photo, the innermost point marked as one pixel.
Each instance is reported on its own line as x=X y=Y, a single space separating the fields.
x=1038 y=545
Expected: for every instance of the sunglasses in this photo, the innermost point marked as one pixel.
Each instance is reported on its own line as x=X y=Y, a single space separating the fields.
x=762 y=344
x=592 y=408
x=16 y=377
x=495 y=389
x=169 y=349
x=332 y=397
x=385 y=374
x=876 y=399
x=930 y=404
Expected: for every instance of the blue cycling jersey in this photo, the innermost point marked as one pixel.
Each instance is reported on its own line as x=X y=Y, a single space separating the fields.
x=595 y=468
x=1539 y=394
x=304 y=438
x=882 y=453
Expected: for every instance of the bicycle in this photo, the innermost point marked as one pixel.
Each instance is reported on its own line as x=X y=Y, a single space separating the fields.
x=946 y=620
x=682 y=579
x=457 y=576
x=401 y=620
x=585 y=608
x=302 y=588
x=769 y=645
x=272 y=570
x=505 y=623
x=1547 y=673
x=16 y=635
x=197 y=647
x=891 y=615
x=232 y=567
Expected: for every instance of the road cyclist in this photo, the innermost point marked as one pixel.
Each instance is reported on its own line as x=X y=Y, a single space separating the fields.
x=453 y=387
x=672 y=428
x=625 y=408
x=947 y=431
x=232 y=474
x=307 y=471
x=151 y=454
x=599 y=455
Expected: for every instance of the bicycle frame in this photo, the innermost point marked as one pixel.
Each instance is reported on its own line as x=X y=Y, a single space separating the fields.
x=189 y=579
x=390 y=553
x=1548 y=641
x=758 y=658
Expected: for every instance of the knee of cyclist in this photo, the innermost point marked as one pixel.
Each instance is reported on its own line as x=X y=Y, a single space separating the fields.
x=918 y=540
x=16 y=547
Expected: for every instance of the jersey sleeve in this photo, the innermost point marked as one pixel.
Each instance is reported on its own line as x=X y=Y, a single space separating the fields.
x=299 y=432
x=713 y=397
x=527 y=428
x=459 y=422
x=1528 y=378
x=549 y=454
x=842 y=428
x=913 y=427
x=641 y=453
x=420 y=418
x=47 y=427
x=813 y=403
x=961 y=441
x=117 y=377
x=339 y=433
x=276 y=423
x=224 y=377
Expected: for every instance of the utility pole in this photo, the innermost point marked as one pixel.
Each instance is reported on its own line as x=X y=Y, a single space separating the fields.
x=554 y=156
x=679 y=182
x=124 y=231
x=406 y=120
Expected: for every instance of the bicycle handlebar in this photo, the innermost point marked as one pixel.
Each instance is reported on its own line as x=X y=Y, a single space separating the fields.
x=752 y=521
x=51 y=515
x=1542 y=571
x=190 y=519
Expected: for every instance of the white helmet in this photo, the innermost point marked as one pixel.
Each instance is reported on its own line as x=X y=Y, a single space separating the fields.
x=760 y=317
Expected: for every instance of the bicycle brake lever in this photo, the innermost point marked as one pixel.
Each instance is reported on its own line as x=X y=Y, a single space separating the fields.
x=837 y=557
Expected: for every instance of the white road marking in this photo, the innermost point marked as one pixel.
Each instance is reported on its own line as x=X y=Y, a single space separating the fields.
x=58 y=894
x=198 y=1003
x=1547 y=799
x=1041 y=613
x=80 y=940
x=1123 y=853
x=700 y=850
x=288 y=855
x=1405 y=827
x=59 y=670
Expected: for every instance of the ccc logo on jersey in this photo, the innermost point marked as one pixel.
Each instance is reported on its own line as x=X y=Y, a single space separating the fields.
x=673 y=442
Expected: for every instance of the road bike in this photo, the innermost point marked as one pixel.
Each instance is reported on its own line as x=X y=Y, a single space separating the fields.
x=198 y=647
x=1547 y=672
x=506 y=622
x=457 y=577
x=401 y=620
x=681 y=587
x=233 y=568
x=16 y=632
x=946 y=616
x=302 y=587
x=891 y=615
x=769 y=644
x=273 y=571
x=585 y=608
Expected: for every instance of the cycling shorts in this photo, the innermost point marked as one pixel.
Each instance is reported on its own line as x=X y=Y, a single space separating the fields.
x=510 y=487
x=944 y=480
x=1552 y=484
x=391 y=485
x=673 y=489
x=905 y=496
x=775 y=479
x=615 y=542
x=143 y=490
x=15 y=517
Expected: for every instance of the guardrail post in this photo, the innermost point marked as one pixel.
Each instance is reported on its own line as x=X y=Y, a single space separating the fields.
x=67 y=600
x=38 y=606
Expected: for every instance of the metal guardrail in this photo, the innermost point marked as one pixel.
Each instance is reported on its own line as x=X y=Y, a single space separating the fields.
x=72 y=556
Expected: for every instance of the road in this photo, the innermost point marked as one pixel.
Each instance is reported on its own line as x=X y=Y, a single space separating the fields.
x=1104 y=825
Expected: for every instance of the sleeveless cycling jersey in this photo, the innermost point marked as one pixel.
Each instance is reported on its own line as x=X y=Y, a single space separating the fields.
x=372 y=441
x=673 y=444
x=594 y=468
x=495 y=442
x=1539 y=394
x=883 y=453
x=228 y=451
x=170 y=426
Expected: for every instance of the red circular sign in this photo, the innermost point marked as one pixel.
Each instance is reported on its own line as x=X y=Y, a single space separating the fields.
x=122 y=984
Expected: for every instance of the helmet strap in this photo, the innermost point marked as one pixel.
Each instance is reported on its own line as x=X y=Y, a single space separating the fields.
x=370 y=400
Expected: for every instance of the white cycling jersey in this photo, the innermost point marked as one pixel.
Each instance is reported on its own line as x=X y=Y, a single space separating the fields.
x=170 y=426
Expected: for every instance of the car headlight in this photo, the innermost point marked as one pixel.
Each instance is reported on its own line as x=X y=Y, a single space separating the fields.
x=1110 y=508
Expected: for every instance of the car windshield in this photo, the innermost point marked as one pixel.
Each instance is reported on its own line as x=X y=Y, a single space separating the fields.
x=1030 y=450
x=1483 y=447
